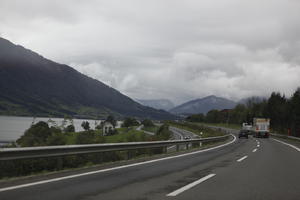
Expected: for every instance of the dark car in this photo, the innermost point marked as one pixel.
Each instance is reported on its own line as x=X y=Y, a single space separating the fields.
x=243 y=133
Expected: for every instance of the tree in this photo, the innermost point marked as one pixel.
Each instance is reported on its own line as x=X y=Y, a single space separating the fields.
x=70 y=128
x=36 y=135
x=85 y=137
x=112 y=120
x=99 y=126
x=238 y=115
x=213 y=116
x=295 y=113
x=56 y=138
x=276 y=110
x=85 y=125
x=163 y=132
x=196 y=118
x=147 y=123
x=130 y=122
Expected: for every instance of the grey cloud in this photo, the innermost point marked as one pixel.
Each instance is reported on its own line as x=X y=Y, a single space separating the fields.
x=166 y=49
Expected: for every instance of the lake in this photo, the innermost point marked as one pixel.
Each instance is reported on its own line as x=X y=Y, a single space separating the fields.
x=11 y=128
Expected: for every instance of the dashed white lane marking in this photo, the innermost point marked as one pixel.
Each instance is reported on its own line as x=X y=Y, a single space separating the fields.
x=258 y=145
x=254 y=150
x=294 y=147
x=114 y=168
x=189 y=186
x=242 y=158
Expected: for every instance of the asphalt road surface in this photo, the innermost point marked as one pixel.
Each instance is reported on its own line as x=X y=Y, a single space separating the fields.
x=246 y=169
x=180 y=134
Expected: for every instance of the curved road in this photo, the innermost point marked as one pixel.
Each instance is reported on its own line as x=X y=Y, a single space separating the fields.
x=247 y=169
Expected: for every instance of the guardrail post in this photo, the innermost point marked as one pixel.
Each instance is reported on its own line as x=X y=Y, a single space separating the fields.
x=101 y=154
x=187 y=146
x=129 y=155
x=59 y=163
x=177 y=147
x=165 y=150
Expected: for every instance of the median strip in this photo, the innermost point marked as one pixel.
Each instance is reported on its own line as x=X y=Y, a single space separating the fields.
x=189 y=186
x=242 y=158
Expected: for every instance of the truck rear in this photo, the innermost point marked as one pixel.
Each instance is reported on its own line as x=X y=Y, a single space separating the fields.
x=261 y=127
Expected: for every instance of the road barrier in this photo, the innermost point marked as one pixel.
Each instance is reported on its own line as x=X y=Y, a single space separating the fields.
x=65 y=150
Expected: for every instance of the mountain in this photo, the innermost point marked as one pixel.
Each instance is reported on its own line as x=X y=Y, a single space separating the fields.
x=253 y=99
x=33 y=85
x=203 y=105
x=163 y=104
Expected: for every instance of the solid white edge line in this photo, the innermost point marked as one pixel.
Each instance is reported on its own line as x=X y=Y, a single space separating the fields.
x=114 y=168
x=254 y=150
x=242 y=158
x=189 y=186
x=290 y=145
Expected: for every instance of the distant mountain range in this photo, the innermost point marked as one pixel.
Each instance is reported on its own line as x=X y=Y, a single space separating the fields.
x=33 y=85
x=203 y=105
x=163 y=104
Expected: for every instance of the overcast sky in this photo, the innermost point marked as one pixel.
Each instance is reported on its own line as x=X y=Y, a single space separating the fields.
x=174 y=49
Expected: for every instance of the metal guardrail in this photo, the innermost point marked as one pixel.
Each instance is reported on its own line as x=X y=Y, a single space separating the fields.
x=285 y=136
x=64 y=150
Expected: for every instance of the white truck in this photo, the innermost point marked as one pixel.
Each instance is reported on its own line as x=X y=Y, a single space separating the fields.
x=245 y=131
x=247 y=127
x=261 y=127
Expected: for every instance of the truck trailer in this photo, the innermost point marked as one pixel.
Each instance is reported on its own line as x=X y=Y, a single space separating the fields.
x=261 y=127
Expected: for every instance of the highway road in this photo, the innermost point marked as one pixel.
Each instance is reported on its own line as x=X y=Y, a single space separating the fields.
x=179 y=134
x=245 y=169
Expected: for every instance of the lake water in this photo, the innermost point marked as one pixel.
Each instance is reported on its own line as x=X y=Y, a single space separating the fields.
x=11 y=128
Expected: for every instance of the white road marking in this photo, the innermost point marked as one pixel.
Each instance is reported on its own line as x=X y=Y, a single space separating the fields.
x=258 y=145
x=114 y=168
x=254 y=150
x=290 y=145
x=189 y=186
x=242 y=158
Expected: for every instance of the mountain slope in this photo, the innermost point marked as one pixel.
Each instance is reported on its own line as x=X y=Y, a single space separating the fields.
x=163 y=104
x=203 y=105
x=33 y=85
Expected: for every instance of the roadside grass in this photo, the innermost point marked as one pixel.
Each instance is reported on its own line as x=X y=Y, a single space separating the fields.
x=152 y=129
x=124 y=135
x=127 y=135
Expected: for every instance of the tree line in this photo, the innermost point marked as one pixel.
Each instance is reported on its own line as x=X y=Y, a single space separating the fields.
x=283 y=112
